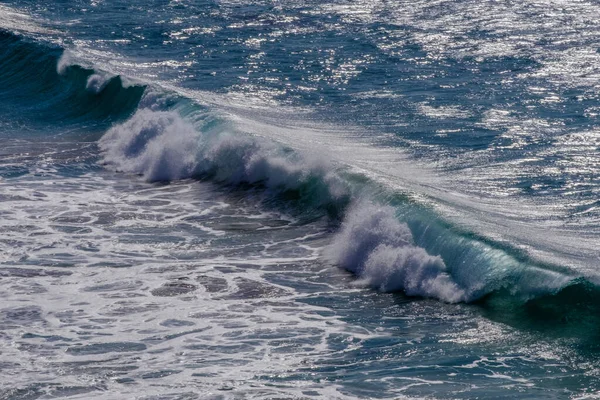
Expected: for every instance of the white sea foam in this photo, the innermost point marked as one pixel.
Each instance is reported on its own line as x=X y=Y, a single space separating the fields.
x=157 y=145
x=193 y=313
x=161 y=146
x=97 y=82
x=379 y=249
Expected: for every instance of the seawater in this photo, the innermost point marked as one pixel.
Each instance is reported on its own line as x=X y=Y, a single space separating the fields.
x=299 y=199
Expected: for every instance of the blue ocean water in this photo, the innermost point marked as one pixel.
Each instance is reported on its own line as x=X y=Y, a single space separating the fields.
x=299 y=199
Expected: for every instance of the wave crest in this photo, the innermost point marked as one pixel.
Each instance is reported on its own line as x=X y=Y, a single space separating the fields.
x=157 y=145
x=379 y=249
x=161 y=146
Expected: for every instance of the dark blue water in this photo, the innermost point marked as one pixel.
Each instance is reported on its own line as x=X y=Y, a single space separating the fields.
x=298 y=199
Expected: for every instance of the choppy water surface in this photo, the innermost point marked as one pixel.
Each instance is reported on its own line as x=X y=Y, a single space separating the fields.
x=298 y=199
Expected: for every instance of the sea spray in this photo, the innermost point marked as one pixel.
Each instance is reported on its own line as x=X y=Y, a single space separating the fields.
x=157 y=145
x=97 y=82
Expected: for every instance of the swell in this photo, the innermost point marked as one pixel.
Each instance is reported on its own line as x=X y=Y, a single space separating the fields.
x=39 y=87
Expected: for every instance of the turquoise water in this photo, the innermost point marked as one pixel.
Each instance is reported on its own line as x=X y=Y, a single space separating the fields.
x=296 y=199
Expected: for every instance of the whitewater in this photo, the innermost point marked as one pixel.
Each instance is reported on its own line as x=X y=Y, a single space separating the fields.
x=299 y=199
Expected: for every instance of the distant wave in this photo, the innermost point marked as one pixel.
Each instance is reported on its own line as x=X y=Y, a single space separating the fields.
x=38 y=81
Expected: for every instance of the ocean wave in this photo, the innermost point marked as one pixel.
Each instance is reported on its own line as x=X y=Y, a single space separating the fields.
x=41 y=83
x=389 y=245
x=394 y=245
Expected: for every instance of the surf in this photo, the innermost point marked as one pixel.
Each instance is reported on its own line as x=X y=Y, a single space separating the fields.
x=388 y=239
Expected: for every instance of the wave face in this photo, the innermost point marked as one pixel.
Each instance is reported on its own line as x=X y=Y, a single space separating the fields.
x=39 y=84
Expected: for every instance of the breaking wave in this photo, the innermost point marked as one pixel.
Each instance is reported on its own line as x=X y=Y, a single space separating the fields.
x=391 y=245
x=381 y=251
x=162 y=146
